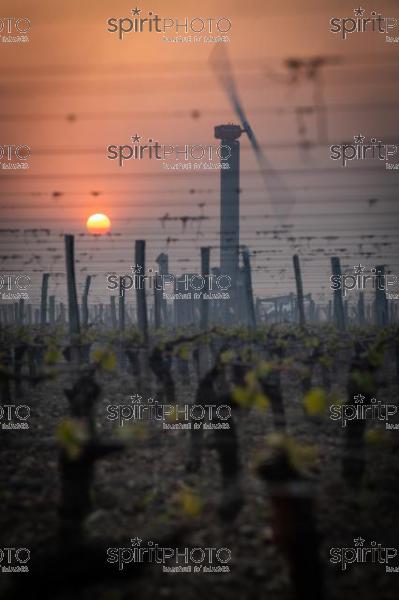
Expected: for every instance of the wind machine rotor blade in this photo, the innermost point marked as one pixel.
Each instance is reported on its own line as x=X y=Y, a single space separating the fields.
x=282 y=199
x=221 y=66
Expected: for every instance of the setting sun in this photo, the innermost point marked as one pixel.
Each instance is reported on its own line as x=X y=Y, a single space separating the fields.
x=98 y=223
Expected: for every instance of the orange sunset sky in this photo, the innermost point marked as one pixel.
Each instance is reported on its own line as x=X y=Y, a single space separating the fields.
x=74 y=89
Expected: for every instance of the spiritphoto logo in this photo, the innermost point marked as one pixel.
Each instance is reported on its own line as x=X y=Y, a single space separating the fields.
x=14 y=286
x=198 y=29
x=14 y=157
x=173 y=157
x=13 y=416
x=364 y=410
x=186 y=560
x=184 y=287
x=359 y=150
x=361 y=553
x=172 y=416
x=14 y=560
x=362 y=22
x=363 y=279
x=13 y=30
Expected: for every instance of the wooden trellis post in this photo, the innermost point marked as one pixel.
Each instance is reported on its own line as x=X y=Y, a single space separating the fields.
x=248 y=289
x=299 y=289
x=205 y=269
x=157 y=306
x=339 y=314
x=62 y=312
x=73 y=308
x=312 y=310
x=52 y=309
x=142 y=318
x=114 y=321
x=85 y=302
x=43 y=302
x=121 y=305
x=163 y=261
x=292 y=306
x=381 y=303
